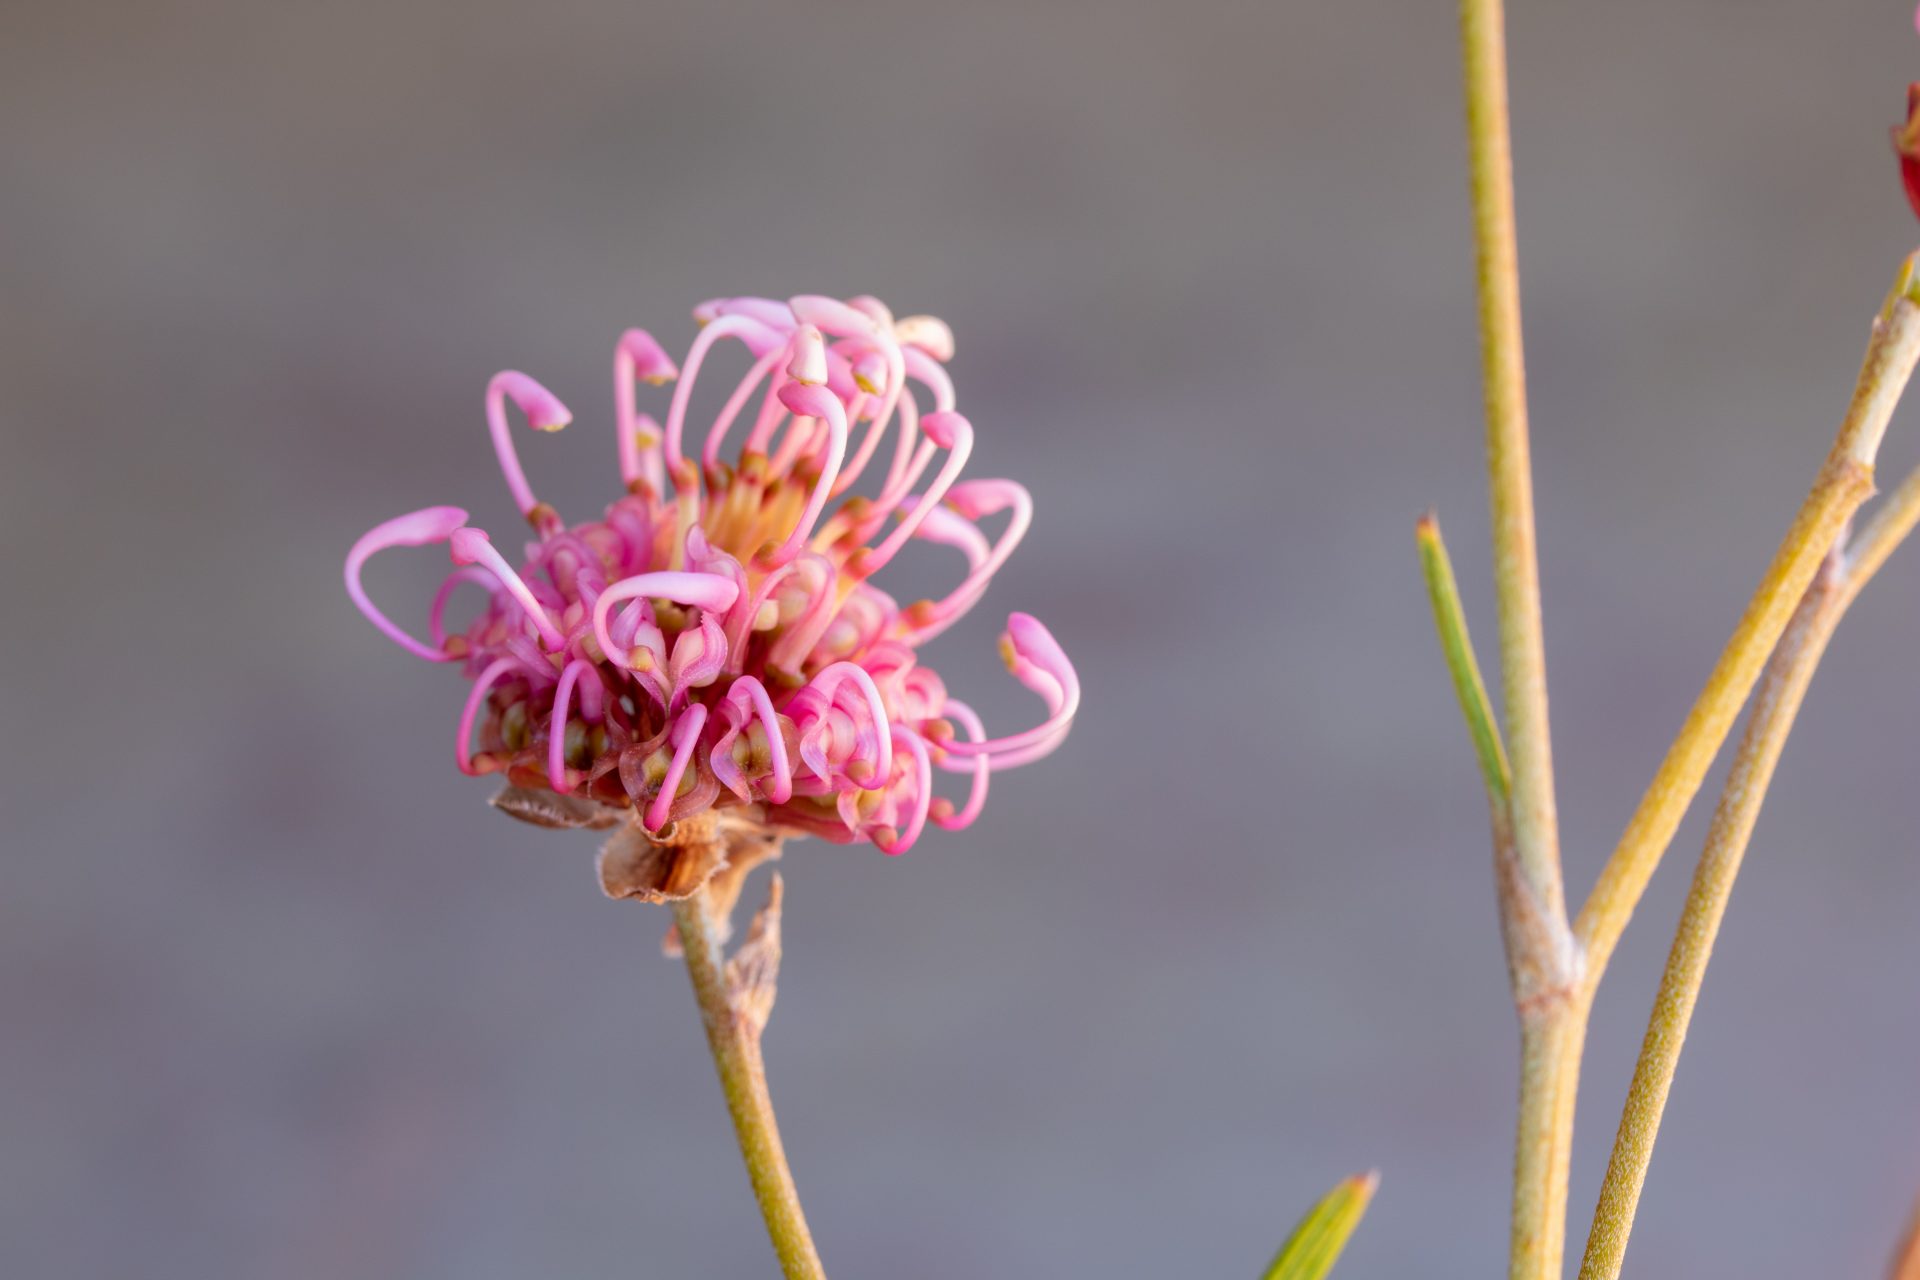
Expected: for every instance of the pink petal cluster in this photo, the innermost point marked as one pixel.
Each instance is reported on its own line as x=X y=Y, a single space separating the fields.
x=725 y=645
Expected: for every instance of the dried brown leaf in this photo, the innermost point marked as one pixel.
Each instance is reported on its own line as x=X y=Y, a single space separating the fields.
x=671 y=865
x=754 y=971
x=552 y=811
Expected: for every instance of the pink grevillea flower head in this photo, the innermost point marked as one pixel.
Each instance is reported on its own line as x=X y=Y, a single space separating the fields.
x=712 y=646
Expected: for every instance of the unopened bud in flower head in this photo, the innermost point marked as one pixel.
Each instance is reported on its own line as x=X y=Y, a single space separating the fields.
x=809 y=363
x=929 y=333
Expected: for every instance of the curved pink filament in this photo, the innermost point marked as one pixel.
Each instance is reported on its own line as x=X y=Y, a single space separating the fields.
x=583 y=577
x=463 y=745
x=956 y=433
x=557 y=725
x=982 y=767
x=832 y=315
x=534 y=661
x=740 y=620
x=808 y=351
x=893 y=400
x=699 y=655
x=777 y=316
x=710 y=455
x=472 y=546
x=929 y=333
x=828 y=683
x=1013 y=759
x=874 y=309
x=543 y=411
x=638 y=355
x=437 y=611
x=791 y=649
x=414 y=529
x=897 y=490
x=923 y=794
x=951 y=529
x=700 y=590
x=758 y=338
x=780 y=769
x=772 y=413
x=933 y=374
x=1037 y=661
x=981 y=498
x=814 y=402
x=903 y=449
x=686 y=736
x=802 y=439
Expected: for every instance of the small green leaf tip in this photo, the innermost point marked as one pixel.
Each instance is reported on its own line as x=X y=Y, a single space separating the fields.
x=1315 y=1245
x=1450 y=622
x=1906 y=284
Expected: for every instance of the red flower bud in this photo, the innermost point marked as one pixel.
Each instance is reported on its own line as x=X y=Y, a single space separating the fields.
x=1906 y=145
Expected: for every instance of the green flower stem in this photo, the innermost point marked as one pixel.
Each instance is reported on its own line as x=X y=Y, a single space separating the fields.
x=1776 y=703
x=1555 y=975
x=1542 y=959
x=1516 y=570
x=1844 y=483
x=734 y=1037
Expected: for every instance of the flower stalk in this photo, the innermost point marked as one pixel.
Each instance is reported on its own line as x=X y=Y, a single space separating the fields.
x=1844 y=483
x=1556 y=975
x=1516 y=570
x=1542 y=960
x=1556 y=968
x=734 y=1002
x=1776 y=704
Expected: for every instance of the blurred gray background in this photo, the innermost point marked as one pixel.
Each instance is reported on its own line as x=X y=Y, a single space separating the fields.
x=281 y=997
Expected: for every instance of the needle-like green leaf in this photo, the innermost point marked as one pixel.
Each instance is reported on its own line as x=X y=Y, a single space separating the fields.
x=1315 y=1244
x=1450 y=620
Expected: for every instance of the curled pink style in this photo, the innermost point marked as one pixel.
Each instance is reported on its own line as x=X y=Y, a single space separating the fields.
x=579 y=674
x=415 y=529
x=944 y=814
x=685 y=737
x=544 y=412
x=1037 y=661
x=639 y=356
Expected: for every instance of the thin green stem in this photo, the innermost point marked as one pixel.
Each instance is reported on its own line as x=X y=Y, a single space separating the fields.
x=1551 y=1040
x=1844 y=483
x=1776 y=704
x=1542 y=959
x=733 y=1034
x=1516 y=570
x=1537 y=944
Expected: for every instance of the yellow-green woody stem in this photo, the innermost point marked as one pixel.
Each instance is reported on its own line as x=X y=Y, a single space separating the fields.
x=1844 y=483
x=1516 y=572
x=1776 y=703
x=734 y=1039
x=1540 y=950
